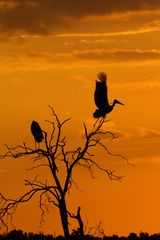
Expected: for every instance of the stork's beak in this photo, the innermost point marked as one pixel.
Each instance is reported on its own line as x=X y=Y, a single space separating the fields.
x=118 y=102
x=121 y=103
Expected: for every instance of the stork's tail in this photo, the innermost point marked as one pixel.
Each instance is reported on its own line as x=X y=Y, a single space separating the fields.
x=102 y=76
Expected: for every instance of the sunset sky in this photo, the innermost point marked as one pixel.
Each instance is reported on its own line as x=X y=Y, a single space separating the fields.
x=50 y=54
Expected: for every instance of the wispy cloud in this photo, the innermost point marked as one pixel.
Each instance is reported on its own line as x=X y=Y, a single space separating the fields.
x=137 y=133
x=153 y=159
x=111 y=129
x=117 y=135
x=117 y=55
x=147 y=29
x=49 y=60
x=3 y=170
x=146 y=133
x=153 y=83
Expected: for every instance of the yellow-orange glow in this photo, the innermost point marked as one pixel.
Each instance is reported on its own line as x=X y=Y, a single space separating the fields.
x=53 y=59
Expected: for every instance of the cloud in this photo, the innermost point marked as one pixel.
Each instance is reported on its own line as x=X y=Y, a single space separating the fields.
x=153 y=159
x=3 y=170
x=117 y=55
x=140 y=133
x=117 y=135
x=49 y=60
x=148 y=28
x=151 y=84
x=43 y=17
x=146 y=133
x=97 y=55
x=110 y=128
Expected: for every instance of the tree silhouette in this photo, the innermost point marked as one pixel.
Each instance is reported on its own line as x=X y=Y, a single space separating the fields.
x=54 y=155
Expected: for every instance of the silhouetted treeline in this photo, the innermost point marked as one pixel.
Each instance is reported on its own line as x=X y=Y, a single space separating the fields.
x=20 y=235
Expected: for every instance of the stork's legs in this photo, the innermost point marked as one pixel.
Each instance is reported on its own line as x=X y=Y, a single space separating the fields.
x=96 y=122
x=36 y=145
x=101 y=119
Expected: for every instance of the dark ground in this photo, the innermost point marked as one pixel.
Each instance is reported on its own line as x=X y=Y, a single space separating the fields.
x=20 y=235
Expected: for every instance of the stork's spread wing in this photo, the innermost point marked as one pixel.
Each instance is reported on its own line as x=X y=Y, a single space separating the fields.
x=100 y=95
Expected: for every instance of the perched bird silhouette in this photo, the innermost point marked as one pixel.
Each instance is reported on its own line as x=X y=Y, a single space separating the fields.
x=37 y=132
x=101 y=97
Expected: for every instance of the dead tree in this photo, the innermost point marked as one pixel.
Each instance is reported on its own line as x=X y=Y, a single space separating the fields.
x=80 y=229
x=54 y=153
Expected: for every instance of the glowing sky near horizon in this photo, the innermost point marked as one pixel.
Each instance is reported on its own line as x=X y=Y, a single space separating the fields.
x=50 y=53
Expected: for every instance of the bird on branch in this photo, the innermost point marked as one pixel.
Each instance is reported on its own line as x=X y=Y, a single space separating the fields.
x=37 y=132
x=101 y=97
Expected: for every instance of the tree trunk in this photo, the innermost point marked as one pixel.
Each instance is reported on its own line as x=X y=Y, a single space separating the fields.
x=79 y=219
x=64 y=217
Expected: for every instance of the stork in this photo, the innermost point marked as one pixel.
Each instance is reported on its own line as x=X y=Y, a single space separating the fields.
x=37 y=132
x=101 y=97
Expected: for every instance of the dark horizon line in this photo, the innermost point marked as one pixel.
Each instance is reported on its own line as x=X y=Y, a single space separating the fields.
x=21 y=235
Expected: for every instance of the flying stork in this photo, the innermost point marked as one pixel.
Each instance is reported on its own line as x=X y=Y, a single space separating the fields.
x=101 y=97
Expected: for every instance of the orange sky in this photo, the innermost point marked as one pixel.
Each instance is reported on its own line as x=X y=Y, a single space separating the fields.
x=50 y=53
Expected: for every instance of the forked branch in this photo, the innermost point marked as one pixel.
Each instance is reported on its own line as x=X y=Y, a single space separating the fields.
x=61 y=162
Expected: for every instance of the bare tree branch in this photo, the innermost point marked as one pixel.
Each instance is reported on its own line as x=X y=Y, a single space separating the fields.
x=61 y=163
